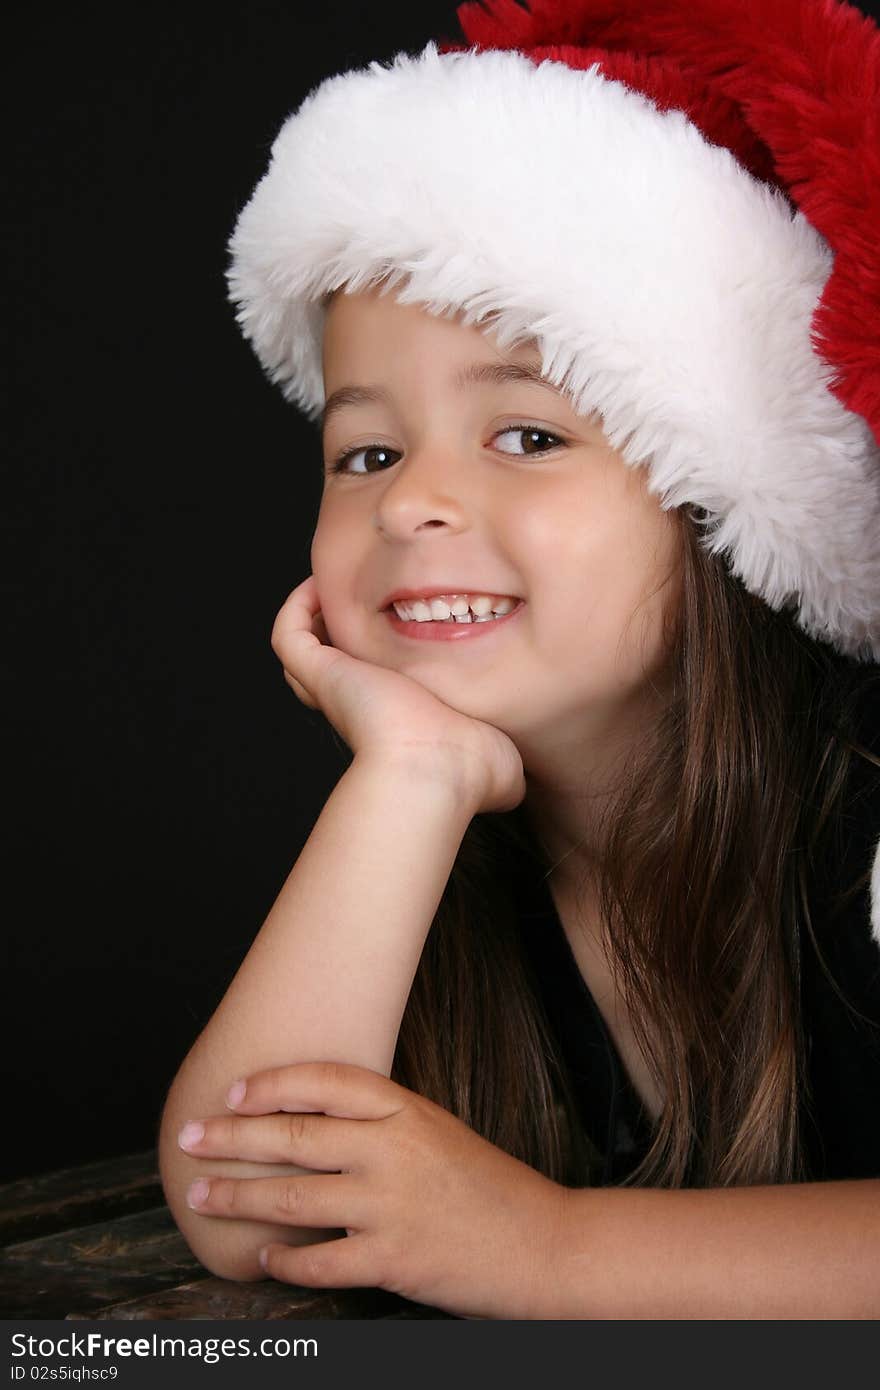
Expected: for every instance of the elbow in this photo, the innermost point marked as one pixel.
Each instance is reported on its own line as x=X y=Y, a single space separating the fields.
x=227 y=1248
x=227 y=1260
x=230 y=1249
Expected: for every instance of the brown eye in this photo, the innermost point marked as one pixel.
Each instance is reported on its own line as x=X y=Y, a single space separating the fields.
x=533 y=437
x=341 y=464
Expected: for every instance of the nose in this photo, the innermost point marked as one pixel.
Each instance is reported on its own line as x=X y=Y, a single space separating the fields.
x=426 y=490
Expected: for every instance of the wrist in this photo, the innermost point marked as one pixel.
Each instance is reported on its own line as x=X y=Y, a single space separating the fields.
x=452 y=773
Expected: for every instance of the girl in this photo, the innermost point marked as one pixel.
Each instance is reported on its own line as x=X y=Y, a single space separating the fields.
x=570 y=1006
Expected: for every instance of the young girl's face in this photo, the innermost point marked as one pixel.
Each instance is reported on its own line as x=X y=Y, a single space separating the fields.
x=446 y=489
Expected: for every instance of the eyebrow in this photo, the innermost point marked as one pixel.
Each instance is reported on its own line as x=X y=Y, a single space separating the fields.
x=474 y=374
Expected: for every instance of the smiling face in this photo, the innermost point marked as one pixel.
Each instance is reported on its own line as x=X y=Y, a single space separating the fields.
x=446 y=488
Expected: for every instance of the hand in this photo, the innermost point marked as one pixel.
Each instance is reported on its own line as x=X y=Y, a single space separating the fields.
x=431 y=1210
x=381 y=711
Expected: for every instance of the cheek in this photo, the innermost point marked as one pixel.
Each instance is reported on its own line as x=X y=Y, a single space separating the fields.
x=595 y=621
x=334 y=565
x=335 y=556
x=654 y=602
x=325 y=542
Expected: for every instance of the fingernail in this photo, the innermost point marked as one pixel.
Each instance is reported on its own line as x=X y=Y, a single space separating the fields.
x=235 y=1094
x=192 y=1133
x=198 y=1192
x=263 y=1257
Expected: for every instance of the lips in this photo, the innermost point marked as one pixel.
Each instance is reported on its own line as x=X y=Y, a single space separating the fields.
x=450 y=631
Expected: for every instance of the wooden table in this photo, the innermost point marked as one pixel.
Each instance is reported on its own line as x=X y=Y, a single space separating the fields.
x=99 y=1242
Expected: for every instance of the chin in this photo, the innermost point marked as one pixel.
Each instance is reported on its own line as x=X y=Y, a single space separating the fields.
x=487 y=715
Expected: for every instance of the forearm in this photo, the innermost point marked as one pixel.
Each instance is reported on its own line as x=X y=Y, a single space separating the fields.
x=806 y=1250
x=327 y=977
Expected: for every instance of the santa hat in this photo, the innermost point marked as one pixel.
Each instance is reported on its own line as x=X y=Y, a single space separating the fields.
x=679 y=200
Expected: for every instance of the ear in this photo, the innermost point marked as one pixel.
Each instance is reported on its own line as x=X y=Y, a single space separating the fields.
x=875 y=896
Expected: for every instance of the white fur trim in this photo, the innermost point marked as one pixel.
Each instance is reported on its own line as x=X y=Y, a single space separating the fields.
x=665 y=286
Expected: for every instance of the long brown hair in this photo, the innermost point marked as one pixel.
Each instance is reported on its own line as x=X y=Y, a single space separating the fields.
x=728 y=815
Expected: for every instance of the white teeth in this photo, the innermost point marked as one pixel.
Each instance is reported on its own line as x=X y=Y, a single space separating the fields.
x=479 y=608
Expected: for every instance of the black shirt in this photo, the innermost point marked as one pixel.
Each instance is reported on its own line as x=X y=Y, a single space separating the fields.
x=841 y=1123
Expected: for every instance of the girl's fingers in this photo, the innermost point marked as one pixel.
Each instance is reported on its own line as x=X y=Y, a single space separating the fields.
x=300 y=691
x=302 y=645
x=311 y=1141
x=296 y=614
x=305 y=594
x=303 y=1200
x=336 y=1088
x=346 y=1263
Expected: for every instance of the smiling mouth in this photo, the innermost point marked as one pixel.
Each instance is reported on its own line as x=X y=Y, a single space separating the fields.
x=458 y=607
x=453 y=628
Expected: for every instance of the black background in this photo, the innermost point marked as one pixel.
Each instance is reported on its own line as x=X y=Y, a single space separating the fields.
x=160 y=776
x=158 y=504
